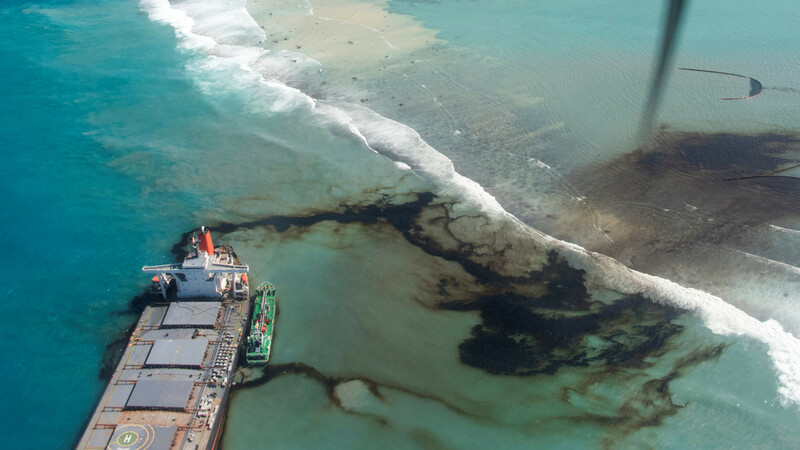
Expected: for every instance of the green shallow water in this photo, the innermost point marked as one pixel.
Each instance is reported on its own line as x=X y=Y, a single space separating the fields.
x=364 y=357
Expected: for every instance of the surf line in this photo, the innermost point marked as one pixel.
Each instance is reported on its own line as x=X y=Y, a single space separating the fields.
x=755 y=85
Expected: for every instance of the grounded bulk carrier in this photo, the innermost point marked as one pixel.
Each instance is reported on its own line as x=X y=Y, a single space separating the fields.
x=171 y=387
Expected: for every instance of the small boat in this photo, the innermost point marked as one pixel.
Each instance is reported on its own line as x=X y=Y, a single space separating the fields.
x=262 y=325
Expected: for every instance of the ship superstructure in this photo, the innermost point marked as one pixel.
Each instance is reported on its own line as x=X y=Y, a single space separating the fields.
x=206 y=273
x=171 y=386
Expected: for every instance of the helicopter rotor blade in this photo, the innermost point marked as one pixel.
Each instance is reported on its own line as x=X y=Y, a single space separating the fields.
x=675 y=11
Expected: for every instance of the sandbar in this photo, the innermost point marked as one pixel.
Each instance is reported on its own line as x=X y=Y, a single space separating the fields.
x=340 y=33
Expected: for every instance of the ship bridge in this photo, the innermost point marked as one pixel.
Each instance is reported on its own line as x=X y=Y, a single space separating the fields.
x=205 y=273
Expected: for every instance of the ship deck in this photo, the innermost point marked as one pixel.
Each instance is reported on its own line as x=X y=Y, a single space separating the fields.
x=170 y=387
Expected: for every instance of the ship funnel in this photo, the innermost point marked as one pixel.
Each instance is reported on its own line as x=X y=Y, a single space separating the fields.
x=206 y=245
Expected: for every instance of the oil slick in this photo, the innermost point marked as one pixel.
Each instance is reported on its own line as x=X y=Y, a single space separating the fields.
x=541 y=326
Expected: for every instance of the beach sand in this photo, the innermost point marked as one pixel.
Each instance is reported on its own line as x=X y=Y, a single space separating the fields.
x=338 y=32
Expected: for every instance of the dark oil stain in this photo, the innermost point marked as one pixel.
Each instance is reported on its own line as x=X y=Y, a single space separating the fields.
x=676 y=193
x=113 y=353
x=652 y=404
x=116 y=348
x=520 y=334
x=718 y=152
x=405 y=218
x=330 y=383
x=402 y=217
x=273 y=371
x=426 y=439
x=136 y=305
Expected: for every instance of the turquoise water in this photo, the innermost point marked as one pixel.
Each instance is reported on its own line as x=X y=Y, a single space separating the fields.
x=70 y=218
x=409 y=319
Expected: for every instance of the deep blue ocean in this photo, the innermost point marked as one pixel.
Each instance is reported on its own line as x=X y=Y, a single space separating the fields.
x=124 y=124
x=82 y=228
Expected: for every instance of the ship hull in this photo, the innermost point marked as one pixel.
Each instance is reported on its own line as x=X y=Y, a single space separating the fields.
x=172 y=384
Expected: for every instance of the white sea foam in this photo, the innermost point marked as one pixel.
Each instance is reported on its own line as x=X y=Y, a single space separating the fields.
x=720 y=317
x=771 y=263
x=784 y=230
x=228 y=37
x=403 y=144
x=539 y=164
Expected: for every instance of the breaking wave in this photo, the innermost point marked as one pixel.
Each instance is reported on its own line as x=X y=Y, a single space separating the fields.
x=226 y=40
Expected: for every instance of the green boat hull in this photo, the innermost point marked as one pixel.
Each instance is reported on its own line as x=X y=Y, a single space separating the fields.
x=262 y=325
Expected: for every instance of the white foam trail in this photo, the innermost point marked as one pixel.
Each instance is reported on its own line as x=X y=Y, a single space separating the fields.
x=203 y=28
x=784 y=230
x=771 y=262
x=539 y=164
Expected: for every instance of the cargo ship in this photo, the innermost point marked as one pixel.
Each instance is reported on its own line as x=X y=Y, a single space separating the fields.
x=262 y=325
x=172 y=384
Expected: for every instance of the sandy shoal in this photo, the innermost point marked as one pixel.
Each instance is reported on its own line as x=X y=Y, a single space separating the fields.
x=340 y=32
